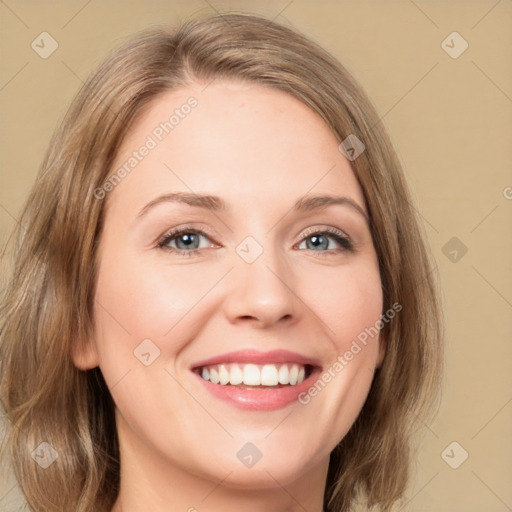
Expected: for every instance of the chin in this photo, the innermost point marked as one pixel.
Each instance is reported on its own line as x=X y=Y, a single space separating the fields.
x=270 y=471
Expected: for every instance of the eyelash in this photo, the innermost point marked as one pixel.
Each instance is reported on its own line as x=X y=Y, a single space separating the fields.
x=338 y=236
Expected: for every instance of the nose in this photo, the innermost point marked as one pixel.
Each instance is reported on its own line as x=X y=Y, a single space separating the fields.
x=262 y=292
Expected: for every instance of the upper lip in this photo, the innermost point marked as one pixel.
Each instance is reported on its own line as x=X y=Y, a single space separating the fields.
x=257 y=357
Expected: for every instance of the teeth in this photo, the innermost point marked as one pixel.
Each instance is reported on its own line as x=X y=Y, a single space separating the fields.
x=283 y=376
x=294 y=375
x=254 y=375
x=214 y=376
x=223 y=375
x=269 y=375
x=236 y=376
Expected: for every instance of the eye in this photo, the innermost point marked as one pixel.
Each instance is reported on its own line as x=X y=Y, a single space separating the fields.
x=188 y=241
x=326 y=240
x=185 y=241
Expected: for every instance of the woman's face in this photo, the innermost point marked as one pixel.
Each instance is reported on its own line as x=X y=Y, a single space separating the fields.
x=263 y=284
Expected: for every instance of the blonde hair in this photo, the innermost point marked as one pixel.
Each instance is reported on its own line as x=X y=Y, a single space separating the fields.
x=48 y=302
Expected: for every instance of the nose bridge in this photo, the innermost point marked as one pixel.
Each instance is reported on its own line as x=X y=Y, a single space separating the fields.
x=262 y=284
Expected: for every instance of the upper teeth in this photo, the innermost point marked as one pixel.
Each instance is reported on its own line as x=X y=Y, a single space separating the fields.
x=254 y=375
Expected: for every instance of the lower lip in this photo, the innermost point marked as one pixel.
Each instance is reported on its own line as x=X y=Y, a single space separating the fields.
x=266 y=399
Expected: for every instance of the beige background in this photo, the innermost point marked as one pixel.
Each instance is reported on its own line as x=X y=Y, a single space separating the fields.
x=451 y=120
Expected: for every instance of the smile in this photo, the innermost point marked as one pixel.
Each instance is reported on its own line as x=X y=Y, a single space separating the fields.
x=257 y=381
x=254 y=375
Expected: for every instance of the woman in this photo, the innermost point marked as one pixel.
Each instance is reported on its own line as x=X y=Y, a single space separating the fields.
x=221 y=296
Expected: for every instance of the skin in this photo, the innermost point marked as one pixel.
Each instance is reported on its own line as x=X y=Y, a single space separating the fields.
x=260 y=150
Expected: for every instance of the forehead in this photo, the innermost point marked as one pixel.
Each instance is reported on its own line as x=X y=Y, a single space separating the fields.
x=237 y=140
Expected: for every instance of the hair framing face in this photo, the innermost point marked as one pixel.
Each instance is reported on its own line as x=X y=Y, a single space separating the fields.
x=48 y=303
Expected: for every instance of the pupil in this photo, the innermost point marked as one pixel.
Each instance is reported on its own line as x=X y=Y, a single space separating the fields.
x=319 y=241
x=187 y=239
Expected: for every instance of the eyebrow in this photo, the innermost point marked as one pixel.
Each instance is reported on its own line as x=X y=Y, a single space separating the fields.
x=215 y=203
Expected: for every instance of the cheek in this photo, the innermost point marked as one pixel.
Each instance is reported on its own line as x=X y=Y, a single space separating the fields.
x=144 y=300
x=349 y=304
x=135 y=303
x=348 y=301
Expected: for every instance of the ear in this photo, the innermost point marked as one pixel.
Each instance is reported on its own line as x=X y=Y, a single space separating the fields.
x=84 y=354
x=382 y=351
